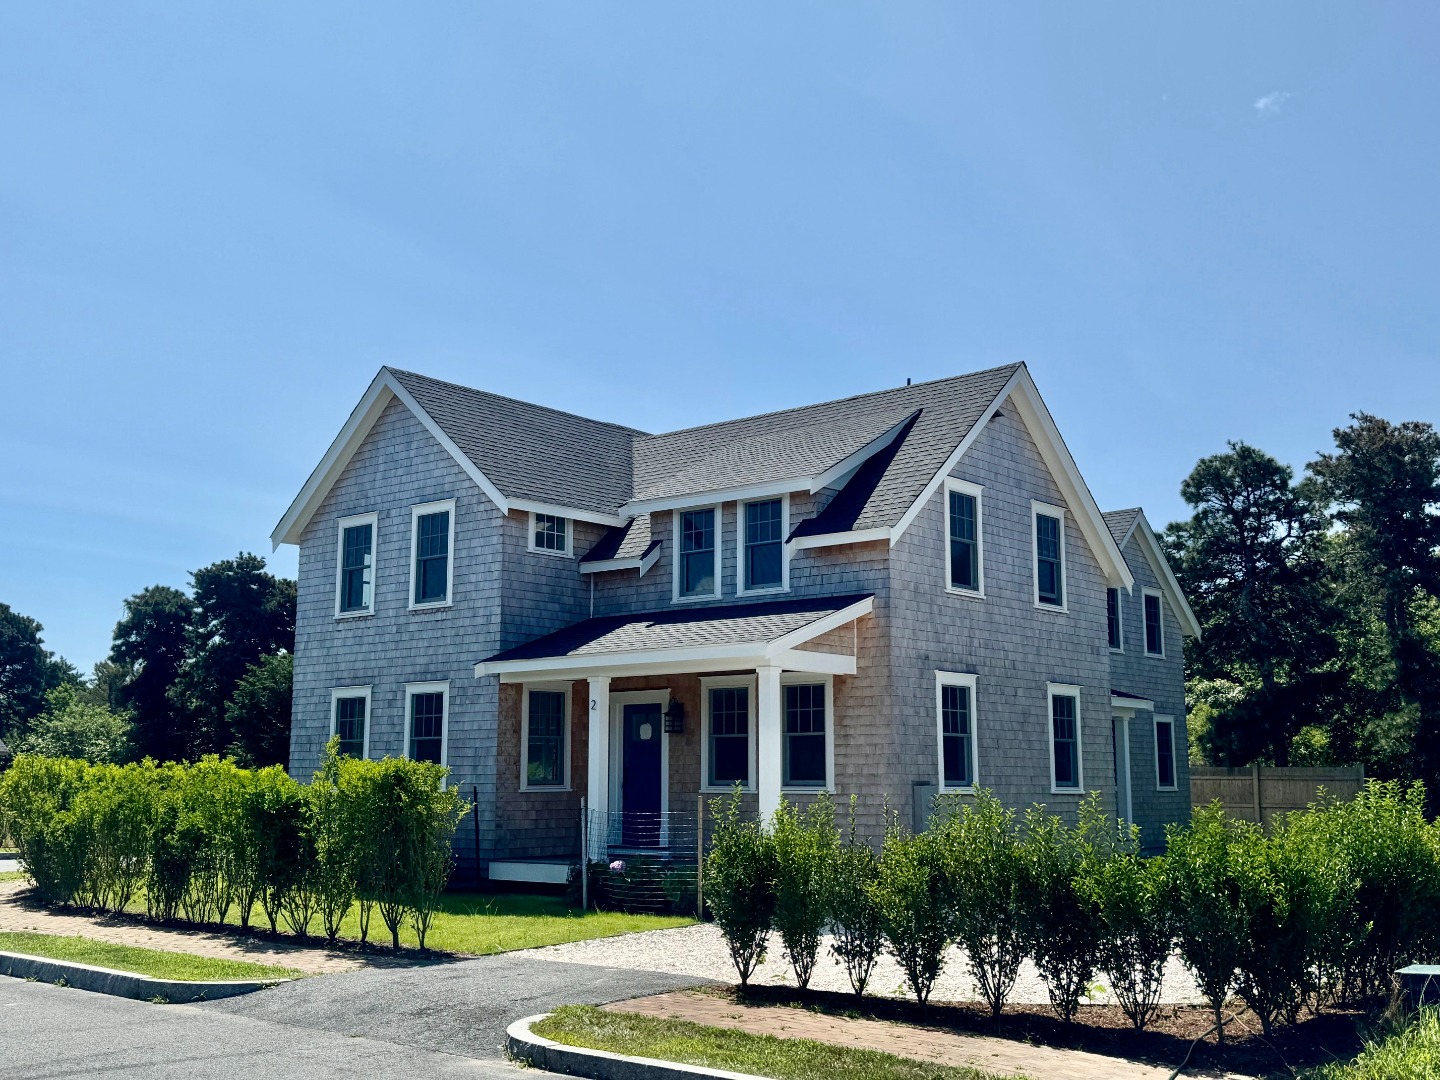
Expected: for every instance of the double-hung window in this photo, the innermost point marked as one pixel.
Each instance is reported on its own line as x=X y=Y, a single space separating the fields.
x=1065 y=754
x=697 y=571
x=728 y=723
x=964 y=550
x=355 y=581
x=1049 y=534
x=1154 y=624
x=549 y=534
x=1113 y=628
x=425 y=706
x=764 y=547
x=350 y=719
x=546 y=763
x=955 y=707
x=806 y=749
x=432 y=538
x=1165 y=753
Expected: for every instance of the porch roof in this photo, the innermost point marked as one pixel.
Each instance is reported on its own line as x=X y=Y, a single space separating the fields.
x=689 y=639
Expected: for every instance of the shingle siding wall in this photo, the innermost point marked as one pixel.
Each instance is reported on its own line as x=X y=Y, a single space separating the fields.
x=1163 y=682
x=1012 y=647
x=399 y=465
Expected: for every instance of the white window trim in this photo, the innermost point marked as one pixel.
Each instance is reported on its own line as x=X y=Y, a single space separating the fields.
x=706 y=685
x=338 y=692
x=1157 y=720
x=1119 y=618
x=801 y=678
x=1052 y=691
x=550 y=688
x=569 y=537
x=784 y=586
x=1144 y=623
x=413 y=688
x=1036 y=509
x=416 y=513
x=978 y=494
x=675 y=596
x=373 y=520
x=956 y=678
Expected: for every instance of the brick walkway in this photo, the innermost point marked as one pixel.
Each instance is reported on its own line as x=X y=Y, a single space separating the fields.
x=309 y=959
x=1002 y=1056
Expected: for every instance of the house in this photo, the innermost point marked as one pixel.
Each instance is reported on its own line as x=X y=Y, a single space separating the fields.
x=892 y=595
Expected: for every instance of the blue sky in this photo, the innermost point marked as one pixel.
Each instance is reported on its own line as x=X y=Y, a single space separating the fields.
x=1195 y=223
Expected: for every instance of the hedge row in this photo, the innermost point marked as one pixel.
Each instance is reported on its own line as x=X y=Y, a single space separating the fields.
x=1322 y=909
x=198 y=841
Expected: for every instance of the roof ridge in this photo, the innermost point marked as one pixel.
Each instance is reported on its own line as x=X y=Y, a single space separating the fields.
x=837 y=401
x=522 y=401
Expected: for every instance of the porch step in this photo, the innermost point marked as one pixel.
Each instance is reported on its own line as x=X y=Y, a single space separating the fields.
x=534 y=871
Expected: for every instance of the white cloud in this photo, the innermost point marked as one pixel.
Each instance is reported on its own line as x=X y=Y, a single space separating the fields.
x=1272 y=103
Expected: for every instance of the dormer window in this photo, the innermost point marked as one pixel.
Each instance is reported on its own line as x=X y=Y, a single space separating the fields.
x=549 y=534
x=697 y=569
x=763 y=559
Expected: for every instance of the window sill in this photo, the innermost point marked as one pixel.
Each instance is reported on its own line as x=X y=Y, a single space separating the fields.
x=697 y=599
x=942 y=790
x=772 y=590
x=1118 y=652
x=1170 y=790
x=345 y=616
x=433 y=605
x=969 y=594
x=710 y=789
x=1154 y=656
x=816 y=789
x=1054 y=609
x=1067 y=791
x=548 y=789
x=552 y=554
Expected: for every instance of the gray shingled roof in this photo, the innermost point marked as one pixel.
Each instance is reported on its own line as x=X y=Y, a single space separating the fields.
x=1119 y=522
x=529 y=451
x=629 y=541
x=730 y=624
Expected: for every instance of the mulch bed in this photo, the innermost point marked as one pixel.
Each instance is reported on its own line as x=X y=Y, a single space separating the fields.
x=1103 y=1029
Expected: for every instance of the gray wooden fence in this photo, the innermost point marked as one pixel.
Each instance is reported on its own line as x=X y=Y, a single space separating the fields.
x=1259 y=792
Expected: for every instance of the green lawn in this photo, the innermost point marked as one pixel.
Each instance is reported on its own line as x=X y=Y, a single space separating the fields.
x=161 y=965
x=738 y=1051
x=11 y=875
x=1410 y=1054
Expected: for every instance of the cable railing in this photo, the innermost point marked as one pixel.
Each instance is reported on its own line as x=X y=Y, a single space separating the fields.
x=641 y=861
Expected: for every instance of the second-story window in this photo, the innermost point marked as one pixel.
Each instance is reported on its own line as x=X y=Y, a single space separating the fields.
x=1049 y=556
x=963 y=556
x=354 y=595
x=1112 y=619
x=549 y=534
x=1154 y=624
x=697 y=570
x=764 y=544
x=432 y=539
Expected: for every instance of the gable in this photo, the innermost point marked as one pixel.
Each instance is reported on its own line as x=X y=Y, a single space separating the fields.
x=1132 y=532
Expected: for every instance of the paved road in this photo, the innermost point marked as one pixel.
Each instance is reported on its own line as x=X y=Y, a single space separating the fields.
x=447 y=1020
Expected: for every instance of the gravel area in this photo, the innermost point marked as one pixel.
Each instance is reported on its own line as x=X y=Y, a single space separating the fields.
x=700 y=951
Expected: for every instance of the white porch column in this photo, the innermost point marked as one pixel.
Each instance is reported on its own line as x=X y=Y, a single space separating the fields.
x=598 y=792
x=768 y=740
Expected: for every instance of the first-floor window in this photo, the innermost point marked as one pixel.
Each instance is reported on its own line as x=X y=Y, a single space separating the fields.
x=957 y=731
x=545 y=739
x=805 y=735
x=1065 y=738
x=729 y=736
x=1164 y=752
x=427 y=725
x=350 y=724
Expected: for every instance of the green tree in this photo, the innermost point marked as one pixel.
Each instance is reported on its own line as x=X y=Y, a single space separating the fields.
x=242 y=614
x=149 y=646
x=259 y=713
x=28 y=671
x=1251 y=562
x=72 y=727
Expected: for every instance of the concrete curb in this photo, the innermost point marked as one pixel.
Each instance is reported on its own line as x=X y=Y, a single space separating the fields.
x=123 y=983
x=536 y=1050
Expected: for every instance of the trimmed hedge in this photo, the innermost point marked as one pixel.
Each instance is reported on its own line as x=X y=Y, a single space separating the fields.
x=1320 y=910
x=203 y=840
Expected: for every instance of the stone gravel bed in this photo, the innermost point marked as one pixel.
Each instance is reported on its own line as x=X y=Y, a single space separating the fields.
x=700 y=951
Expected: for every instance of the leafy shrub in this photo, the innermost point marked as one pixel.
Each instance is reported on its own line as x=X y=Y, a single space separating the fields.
x=740 y=885
x=1136 y=923
x=117 y=803
x=37 y=794
x=850 y=907
x=1410 y=1053
x=804 y=847
x=912 y=897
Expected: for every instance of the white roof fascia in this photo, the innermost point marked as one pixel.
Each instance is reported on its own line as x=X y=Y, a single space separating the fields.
x=557 y=510
x=848 y=465
x=1118 y=702
x=362 y=418
x=822 y=625
x=893 y=534
x=835 y=539
x=819 y=663
x=734 y=655
x=710 y=498
x=1150 y=546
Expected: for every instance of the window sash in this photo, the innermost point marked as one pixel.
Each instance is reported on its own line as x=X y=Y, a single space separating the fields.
x=698 y=571
x=1154 y=628
x=432 y=557
x=729 y=736
x=764 y=567
x=1112 y=617
x=357 y=549
x=550 y=533
x=1048 y=572
x=350 y=725
x=427 y=726
x=964 y=542
x=804 y=749
x=545 y=739
x=1165 y=753
x=1066 y=741
x=959 y=758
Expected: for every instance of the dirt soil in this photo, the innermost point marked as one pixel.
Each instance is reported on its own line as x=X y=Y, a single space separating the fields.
x=1104 y=1029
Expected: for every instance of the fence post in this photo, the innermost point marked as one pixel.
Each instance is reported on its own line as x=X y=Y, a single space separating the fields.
x=700 y=856
x=584 y=856
x=1255 y=783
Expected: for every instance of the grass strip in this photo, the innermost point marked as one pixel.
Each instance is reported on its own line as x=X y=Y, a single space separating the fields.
x=157 y=963
x=737 y=1051
x=1412 y=1053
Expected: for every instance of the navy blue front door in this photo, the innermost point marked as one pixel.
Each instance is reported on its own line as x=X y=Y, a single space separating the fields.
x=640 y=782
